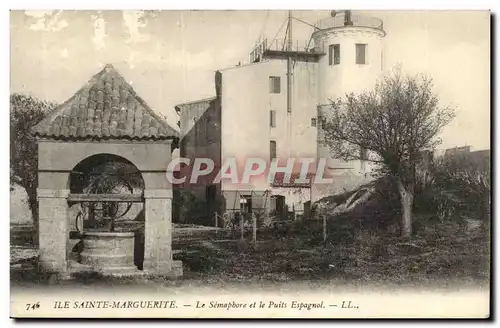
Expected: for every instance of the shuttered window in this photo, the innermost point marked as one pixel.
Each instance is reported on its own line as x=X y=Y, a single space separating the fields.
x=272 y=149
x=334 y=54
x=272 y=118
x=361 y=54
x=274 y=84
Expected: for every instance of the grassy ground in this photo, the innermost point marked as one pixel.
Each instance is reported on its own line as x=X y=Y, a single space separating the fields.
x=444 y=254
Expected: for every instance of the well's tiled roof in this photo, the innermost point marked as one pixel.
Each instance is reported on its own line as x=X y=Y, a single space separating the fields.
x=105 y=108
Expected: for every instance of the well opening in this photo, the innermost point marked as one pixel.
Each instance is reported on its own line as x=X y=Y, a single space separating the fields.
x=106 y=201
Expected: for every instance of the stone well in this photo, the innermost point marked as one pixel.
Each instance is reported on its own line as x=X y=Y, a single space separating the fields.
x=105 y=118
x=108 y=251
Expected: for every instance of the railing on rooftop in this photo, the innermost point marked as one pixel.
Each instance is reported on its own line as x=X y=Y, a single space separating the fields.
x=308 y=45
x=282 y=45
x=356 y=20
x=278 y=44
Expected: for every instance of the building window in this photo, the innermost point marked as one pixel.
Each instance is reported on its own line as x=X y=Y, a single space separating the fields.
x=313 y=121
x=334 y=54
x=274 y=84
x=272 y=149
x=246 y=204
x=321 y=121
x=361 y=54
x=272 y=118
x=211 y=193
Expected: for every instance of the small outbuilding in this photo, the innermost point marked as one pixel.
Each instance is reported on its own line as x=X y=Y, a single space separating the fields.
x=101 y=154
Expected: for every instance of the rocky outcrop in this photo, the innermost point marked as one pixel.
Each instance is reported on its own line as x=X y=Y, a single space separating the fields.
x=20 y=212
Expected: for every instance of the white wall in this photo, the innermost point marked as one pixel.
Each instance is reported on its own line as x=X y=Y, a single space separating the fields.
x=246 y=102
x=334 y=82
x=337 y=80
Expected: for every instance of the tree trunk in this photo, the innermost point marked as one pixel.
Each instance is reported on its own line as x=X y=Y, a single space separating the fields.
x=324 y=227
x=254 y=229
x=242 y=228
x=33 y=205
x=406 y=193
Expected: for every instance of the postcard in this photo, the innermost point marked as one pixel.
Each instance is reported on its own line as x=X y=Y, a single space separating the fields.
x=250 y=164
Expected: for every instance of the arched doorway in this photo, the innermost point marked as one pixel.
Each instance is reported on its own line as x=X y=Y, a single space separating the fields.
x=107 y=213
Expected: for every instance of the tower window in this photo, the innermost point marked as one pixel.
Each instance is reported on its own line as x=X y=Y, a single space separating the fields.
x=313 y=121
x=272 y=149
x=361 y=54
x=274 y=84
x=272 y=118
x=334 y=54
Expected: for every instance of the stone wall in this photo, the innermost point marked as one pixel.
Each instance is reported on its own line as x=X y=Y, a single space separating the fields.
x=58 y=158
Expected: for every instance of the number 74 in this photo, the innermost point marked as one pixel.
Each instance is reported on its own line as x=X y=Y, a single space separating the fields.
x=33 y=306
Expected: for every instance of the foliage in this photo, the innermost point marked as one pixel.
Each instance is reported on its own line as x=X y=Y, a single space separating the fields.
x=448 y=190
x=395 y=122
x=183 y=201
x=26 y=112
x=454 y=188
x=441 y=255
x=201 y=258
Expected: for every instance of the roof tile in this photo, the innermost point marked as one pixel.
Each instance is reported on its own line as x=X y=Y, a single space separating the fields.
x=106 y=107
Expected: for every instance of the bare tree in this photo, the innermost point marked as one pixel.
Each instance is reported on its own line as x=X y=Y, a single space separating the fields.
x=391 y=125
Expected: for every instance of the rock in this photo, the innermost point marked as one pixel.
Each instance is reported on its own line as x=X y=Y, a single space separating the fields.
x=20 y=212
x=473 y=225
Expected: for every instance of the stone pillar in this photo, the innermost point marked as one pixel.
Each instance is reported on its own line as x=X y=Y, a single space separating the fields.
x=53 y=229
x=158 y=232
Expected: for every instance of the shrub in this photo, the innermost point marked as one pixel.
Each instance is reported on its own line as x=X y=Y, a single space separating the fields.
x=182 y=201
x=454 y=187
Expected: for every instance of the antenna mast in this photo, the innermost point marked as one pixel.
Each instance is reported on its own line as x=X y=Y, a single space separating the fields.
x=289 y=81
x=289 y=63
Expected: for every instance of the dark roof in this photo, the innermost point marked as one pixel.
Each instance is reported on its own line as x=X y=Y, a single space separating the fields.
x=107 y=107
x=456 y=151
x=195 y=102
x=482 y=157
x=481 y=154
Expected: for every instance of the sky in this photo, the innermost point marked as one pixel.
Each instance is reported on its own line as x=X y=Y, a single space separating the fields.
x=170 y=57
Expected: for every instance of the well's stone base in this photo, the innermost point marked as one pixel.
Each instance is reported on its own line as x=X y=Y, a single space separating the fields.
x=52 y=266
x=104 y=251
x=174 y=273
x=126 y=271
x=177 y=271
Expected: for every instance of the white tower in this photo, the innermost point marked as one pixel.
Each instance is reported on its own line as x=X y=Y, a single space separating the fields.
x=353 y=45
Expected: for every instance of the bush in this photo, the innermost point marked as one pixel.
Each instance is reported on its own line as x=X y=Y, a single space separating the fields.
x=454 y=188
x=182 y=202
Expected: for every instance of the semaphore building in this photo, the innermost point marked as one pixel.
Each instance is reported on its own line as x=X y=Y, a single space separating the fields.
x=272 y=107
